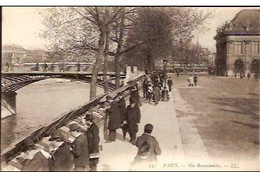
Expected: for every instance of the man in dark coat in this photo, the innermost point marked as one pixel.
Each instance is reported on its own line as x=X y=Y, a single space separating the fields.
x=93 y=141
x=114 y=121
x=195 y=80
x=133 y=117
x=150 y=157
x=33 y=159
x=156 y=94
x=145 y=88
x=61 y=156
x=79 y=148
x=134 y=93
x=169 y=83
x=122 y=110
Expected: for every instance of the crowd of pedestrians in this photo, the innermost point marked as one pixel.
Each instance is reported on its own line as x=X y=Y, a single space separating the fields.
x=82 y=152
x=156 y=87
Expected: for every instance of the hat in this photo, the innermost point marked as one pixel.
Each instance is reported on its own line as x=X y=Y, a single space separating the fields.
x=89 y=116
x=148 y=128
x=28 y=142
x=55 y=135
x=74 y=126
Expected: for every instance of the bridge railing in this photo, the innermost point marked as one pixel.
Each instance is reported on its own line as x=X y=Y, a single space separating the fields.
x=64 y=119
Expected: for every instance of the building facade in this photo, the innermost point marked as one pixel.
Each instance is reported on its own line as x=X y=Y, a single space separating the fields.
x=237 y=45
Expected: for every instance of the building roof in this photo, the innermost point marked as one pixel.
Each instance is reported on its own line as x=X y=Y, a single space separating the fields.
x=12 y=49
x=246 y=20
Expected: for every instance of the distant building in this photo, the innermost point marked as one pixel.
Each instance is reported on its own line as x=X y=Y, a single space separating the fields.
x=238 y=50
x=12 y=54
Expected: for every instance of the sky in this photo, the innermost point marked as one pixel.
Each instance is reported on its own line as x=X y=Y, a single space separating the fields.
x=22 y=26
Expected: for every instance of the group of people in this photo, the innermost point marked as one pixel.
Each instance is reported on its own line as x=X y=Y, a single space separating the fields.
x=128 y=119
x=193 y=80
x=157 y=86
x=81 y=154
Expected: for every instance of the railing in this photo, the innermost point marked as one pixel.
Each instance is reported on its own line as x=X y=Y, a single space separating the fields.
x=37 y=135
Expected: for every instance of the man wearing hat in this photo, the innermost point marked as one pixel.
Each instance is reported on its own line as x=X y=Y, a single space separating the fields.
x=79 y=148
x=154 y=148
x=92 y=134
x=133 y=117
x=114 y=121
x=61 y=157
x=32 y=159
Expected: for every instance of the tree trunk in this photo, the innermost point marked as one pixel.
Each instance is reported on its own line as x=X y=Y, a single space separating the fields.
x=119 y=49
x=105 y=78
x=150 y=60
x=97 y=64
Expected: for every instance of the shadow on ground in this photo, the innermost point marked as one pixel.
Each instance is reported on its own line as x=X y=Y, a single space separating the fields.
x=242 y=106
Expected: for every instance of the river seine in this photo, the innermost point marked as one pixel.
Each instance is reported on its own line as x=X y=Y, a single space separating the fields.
x=39 y=104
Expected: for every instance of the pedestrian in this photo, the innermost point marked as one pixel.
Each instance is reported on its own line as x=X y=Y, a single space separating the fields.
x=79 y=148
x=248 y=75
x=195 y=78
x=62 y=66
x=45 y=66
x=52 y=67
x=241 y=75
x=178 y=73
x=133 y=117
x=114 y=119
x=32 y=159
x=170 y=83
x=191 y=81
x=145 y=87
x=148 y=149
x=121 y=103
x=61 y=157
x=156 y=94
x=134 y=93
x=150 y=92
x=93 y=141
x=165 y=94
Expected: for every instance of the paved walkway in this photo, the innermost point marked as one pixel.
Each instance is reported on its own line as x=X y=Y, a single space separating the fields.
x=119 y=155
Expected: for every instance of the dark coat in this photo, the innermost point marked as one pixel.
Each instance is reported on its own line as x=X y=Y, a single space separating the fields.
x=114 y=121
x=80 y=151
x=122 y=108
x=93 y=138
x=133 y=116
x=154 y=146
x=169 y=82
x=38 y=163
x=62 y=159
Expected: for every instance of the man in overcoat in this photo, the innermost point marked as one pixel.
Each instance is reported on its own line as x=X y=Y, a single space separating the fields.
x=169 y=83
x=154 y=149
x=79 y=148
x=122 y=110
x=133 y=117
x=114 y=121
x=156 y=94
x=93 y=140
x=61 y=157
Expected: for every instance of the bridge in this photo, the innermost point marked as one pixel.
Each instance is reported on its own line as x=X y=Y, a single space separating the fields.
x=13 y=81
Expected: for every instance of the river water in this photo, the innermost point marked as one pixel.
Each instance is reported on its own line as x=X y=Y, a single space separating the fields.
x=40 y=103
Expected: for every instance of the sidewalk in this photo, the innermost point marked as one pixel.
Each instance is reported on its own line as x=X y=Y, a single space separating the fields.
x=119 y=155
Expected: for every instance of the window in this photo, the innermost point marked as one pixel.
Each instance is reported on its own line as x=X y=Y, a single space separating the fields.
x=255 y=47
x=238 y=47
